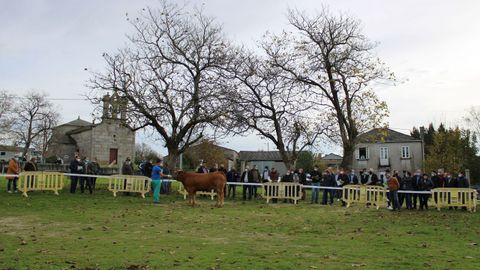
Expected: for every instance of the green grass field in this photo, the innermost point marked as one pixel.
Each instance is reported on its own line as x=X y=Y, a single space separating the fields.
x=83 y=231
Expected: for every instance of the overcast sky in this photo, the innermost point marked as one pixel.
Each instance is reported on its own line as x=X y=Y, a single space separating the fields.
x=431 y=45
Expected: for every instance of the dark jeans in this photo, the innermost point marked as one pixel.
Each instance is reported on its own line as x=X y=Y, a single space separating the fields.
x=232 y=189
x=415 y=197
x=424 y=201
x=394 y=199
x=401 y=198
x=94 y=182
x=73 y=183
x=254 y=191
x=315 y=192
x=408 y=200
x=166 y=187
x=247 y=189
x=10 y=182
x=88 y=182
x=326 y=194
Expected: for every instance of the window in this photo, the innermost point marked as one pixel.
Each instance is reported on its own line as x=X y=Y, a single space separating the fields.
x=383 y=152
x=363 y=153
x=2 y=153
x=405 y=151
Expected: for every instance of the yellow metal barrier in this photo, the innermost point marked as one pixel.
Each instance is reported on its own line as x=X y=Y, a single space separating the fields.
x=455 y=197
x=290 y=191
x=183 y=192
x=363 y=194
x=129 y=183
x=33 y=181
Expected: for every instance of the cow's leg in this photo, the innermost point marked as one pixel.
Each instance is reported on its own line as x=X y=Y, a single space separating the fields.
x=221 y=196
x=194 y=195
x=190 y=198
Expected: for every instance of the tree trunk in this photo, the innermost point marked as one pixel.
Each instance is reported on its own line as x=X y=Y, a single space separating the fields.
x=171 y=160
x=287 y=159
x=348 y=150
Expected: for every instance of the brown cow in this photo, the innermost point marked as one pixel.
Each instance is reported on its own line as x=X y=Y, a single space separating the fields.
x=194 y=182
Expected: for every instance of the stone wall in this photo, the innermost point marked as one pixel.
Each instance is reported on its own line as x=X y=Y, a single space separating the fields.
x=111 y=133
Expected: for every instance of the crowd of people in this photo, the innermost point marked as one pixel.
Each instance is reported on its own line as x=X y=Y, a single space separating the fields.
x=328 y=178
x=331 y=178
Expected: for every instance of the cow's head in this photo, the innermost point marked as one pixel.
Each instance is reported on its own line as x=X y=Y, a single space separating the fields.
x=179 y=175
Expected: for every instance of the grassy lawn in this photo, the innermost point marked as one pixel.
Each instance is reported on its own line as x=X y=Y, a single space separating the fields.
x=82 y=231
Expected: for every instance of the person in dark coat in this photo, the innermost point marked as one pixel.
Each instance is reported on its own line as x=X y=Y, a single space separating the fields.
x=30 y=166
x=93 y=168
x=232 y=176
x=352 y=178
x=363 y=176
x=86 y=180
x=316 y=177
x=341 y=181
x=450 y=182
x=425 y=184
x=214 y=168
x=247 y=178
x=256 y=177
x=463 y=181
x=127 y=169
x=288 y=177
x=416 y=187
x=202 y=168
x=76 y=167
x=372 y=178
x=406 y=185
x=328 y=180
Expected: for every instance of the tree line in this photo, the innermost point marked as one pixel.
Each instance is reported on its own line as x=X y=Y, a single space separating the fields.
x=453 y=149
x=187 y=81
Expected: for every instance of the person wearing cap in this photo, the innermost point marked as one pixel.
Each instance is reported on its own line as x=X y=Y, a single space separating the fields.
x=13 y=168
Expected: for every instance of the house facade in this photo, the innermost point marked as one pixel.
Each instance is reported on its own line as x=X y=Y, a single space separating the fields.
x=382 y=149
x=331 y=161
x=272 y=159
x=111 y=141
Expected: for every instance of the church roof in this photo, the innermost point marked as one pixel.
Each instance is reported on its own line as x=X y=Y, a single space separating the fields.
x=77 y=122
x=80 y=129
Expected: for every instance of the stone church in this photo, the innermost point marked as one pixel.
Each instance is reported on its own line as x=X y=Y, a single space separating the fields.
x=111 y=141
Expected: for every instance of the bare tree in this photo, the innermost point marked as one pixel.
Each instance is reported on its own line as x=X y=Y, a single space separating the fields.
x=172 y=76
x=6 y=107
x=33 y=119
x=330 y=54
x=145 y=152
x=473 y=119
x=276 y=107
